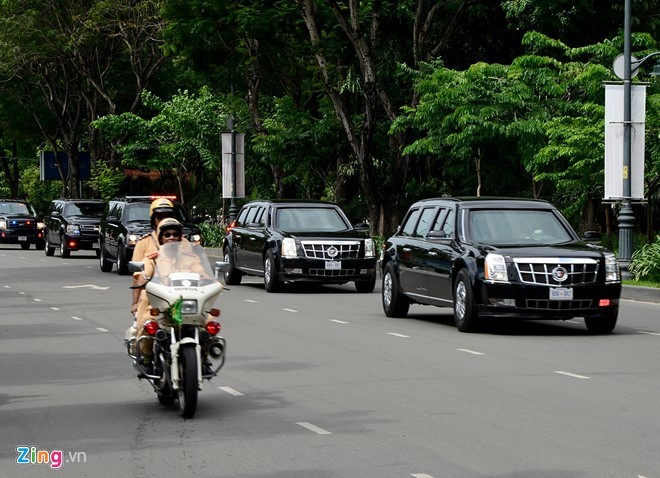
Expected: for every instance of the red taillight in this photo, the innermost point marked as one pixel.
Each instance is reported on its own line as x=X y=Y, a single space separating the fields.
x=213 y=327
x=215 y=312
x=231 y=226
x=604 y=303
x=151 y=327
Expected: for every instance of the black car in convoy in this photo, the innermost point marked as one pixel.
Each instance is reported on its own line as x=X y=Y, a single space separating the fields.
x=310 y=241
x=19 y=224
x=72 y=225
x=498 y=257
x=124 y=221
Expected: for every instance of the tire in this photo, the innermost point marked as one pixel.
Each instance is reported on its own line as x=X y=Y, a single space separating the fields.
x=104 y=263
x=25 y=246
x=122 y=265
x=271 y=282
x=64 y=252
x=395 y=304
x=366 y=286
x=601 y=325
x=48 y=248
x=40 y=245
x=234 y=276
x=188 y=382
x=465 y=313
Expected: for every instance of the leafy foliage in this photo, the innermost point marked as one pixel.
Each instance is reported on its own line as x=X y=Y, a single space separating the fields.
x=645 y=262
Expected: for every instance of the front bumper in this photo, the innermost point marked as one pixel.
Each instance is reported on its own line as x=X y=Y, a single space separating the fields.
x=82 y=242
x=327 y=272
x=19 y=237
x=534 y=302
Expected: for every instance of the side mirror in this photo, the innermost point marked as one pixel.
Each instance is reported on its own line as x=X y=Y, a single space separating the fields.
x=362 y=227
x=592 y=236
x=435 y=235
x=55 y=214
x=112 y=219
x=221 y=267
x=135 y=266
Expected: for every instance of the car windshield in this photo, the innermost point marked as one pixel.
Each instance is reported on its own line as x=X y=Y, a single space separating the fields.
x=137 y=212
x=18 y=208
x=516 y=226
x=86 y=209
x=316 y=219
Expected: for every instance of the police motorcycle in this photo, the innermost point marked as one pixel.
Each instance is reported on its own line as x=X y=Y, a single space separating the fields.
x=187 y=347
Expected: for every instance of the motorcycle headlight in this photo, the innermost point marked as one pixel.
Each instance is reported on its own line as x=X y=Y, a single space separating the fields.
x=612 y=269
x=189 y=306
x=133 y=238
x=73 y=229
x=3 y=224
x=495 y=268
x=289 y=248
x=195 y=237
x=369 y=248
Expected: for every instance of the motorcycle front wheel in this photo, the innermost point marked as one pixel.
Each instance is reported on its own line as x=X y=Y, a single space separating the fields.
x=188 y=382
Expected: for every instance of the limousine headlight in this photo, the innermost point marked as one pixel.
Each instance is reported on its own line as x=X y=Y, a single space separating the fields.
x=369 y=248
x=612 y=269
x=495 y=268
x=289 y=249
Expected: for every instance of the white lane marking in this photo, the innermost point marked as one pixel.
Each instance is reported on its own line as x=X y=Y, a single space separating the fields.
x=101 y=329
x=231 y=391
x=314 y=428
x=37 y=300
x=338 y=321
x=7 y=286
x=647 y=333
x=398 y=335
x=473 y=352
x=91 y=286
x=251 y=301
x=640 y=476
x=421 y=475
x=54 y=308
x=90 y=267
x=22 y=293
x=290 y=310
x=76 y=318
x=574 y=375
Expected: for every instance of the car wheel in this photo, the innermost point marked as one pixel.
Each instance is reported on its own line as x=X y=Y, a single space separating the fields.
x=105 y=264
x=271 y=283
x=366 y=286
x=234 y=276
x=602 y=325
x=64 y=252
x=465 y=314
x=395 y=304
x=25 y=246
x=50 y=250
x=122 y=265
x=40 y=245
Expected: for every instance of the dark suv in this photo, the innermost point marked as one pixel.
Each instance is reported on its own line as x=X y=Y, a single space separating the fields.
x=72 y=225
x=494 y=257
x=18 y=224
x=124 y=221
x=309 y=241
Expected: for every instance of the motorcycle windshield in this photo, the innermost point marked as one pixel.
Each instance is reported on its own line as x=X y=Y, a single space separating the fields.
x=182 y=264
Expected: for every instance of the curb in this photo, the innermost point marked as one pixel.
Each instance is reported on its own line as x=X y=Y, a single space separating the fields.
x=628 y=292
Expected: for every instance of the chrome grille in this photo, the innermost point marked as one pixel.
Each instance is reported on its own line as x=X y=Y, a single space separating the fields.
x=545 y=304
x=319 y=250
x=89 y=228
x=538 y=271
x=332 y=273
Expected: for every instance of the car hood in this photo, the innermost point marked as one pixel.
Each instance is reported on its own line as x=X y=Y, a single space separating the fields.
x=93 y=221
x=573 y=249
x=350 y=234
x=18 y=217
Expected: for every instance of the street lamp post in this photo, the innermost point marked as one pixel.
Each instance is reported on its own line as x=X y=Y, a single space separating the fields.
x=233 y=209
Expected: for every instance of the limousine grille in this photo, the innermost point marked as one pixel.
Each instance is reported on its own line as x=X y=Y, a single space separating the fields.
x=556 y=272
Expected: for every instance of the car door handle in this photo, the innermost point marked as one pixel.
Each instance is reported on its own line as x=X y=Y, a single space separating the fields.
x=406 y=249
x=253 y=238
x=237 y=236
x=433 y=254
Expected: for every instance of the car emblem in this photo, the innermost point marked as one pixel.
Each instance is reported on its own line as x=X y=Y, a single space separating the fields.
x=332 y=252
x=559 y=274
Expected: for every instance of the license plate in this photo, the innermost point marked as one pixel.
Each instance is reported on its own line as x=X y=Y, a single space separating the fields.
x=22 y=238
x=561 y=294
x=333 y=265
x=96 y=245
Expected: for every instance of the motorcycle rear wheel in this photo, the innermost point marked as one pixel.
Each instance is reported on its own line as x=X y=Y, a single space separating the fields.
x=188 y=382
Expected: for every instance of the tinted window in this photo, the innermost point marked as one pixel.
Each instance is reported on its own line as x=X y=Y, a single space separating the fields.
x=409 y=225
x=320 y=219
x=87 y=209
x=241 y=216
x=516 y=226
x=252 y=213
x=16 y=208
x=440 y=218
x=424 y=222
x=448 y=225
x=137 y=212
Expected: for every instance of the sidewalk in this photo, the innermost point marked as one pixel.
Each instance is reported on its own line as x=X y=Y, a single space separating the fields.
x=628 y=292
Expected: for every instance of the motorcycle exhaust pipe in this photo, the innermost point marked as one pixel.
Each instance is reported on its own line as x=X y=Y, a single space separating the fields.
x=216 y=350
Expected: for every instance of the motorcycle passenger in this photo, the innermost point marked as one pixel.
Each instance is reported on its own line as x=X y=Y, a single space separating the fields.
x=160 y=209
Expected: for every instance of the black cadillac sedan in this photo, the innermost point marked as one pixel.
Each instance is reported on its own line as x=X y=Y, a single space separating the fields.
x=498 y=257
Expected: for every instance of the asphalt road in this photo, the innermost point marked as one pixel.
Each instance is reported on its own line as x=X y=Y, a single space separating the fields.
x=319 y=383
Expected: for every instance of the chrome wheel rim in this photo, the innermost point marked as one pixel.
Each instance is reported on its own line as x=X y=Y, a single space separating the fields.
x=62 y=247
x=387 y=290
x=226 y=259
x=459 y=300
x=267 y=271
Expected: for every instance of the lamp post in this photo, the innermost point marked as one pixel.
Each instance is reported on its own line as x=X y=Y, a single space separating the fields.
x=233 y=209
x=626 y=215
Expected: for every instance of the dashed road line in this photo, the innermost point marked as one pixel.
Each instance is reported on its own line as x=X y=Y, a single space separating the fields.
x=7 y=286
x=647 y=333
x=473 y=352
x=314 y=428
x=290 y=310
x=569 y=374
x=421 y=475
x=101 y=329
x=54 y=308
x=231 y=391
x=399 y=335
x=338 y=321
x=76 y=318
x=37 y=300
x=251 y=301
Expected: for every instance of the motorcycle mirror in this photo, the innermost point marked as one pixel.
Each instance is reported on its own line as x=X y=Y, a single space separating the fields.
x=135 y=266
x=222 y=266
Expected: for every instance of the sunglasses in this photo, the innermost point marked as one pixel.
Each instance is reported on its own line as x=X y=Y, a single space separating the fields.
x=167 y=235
